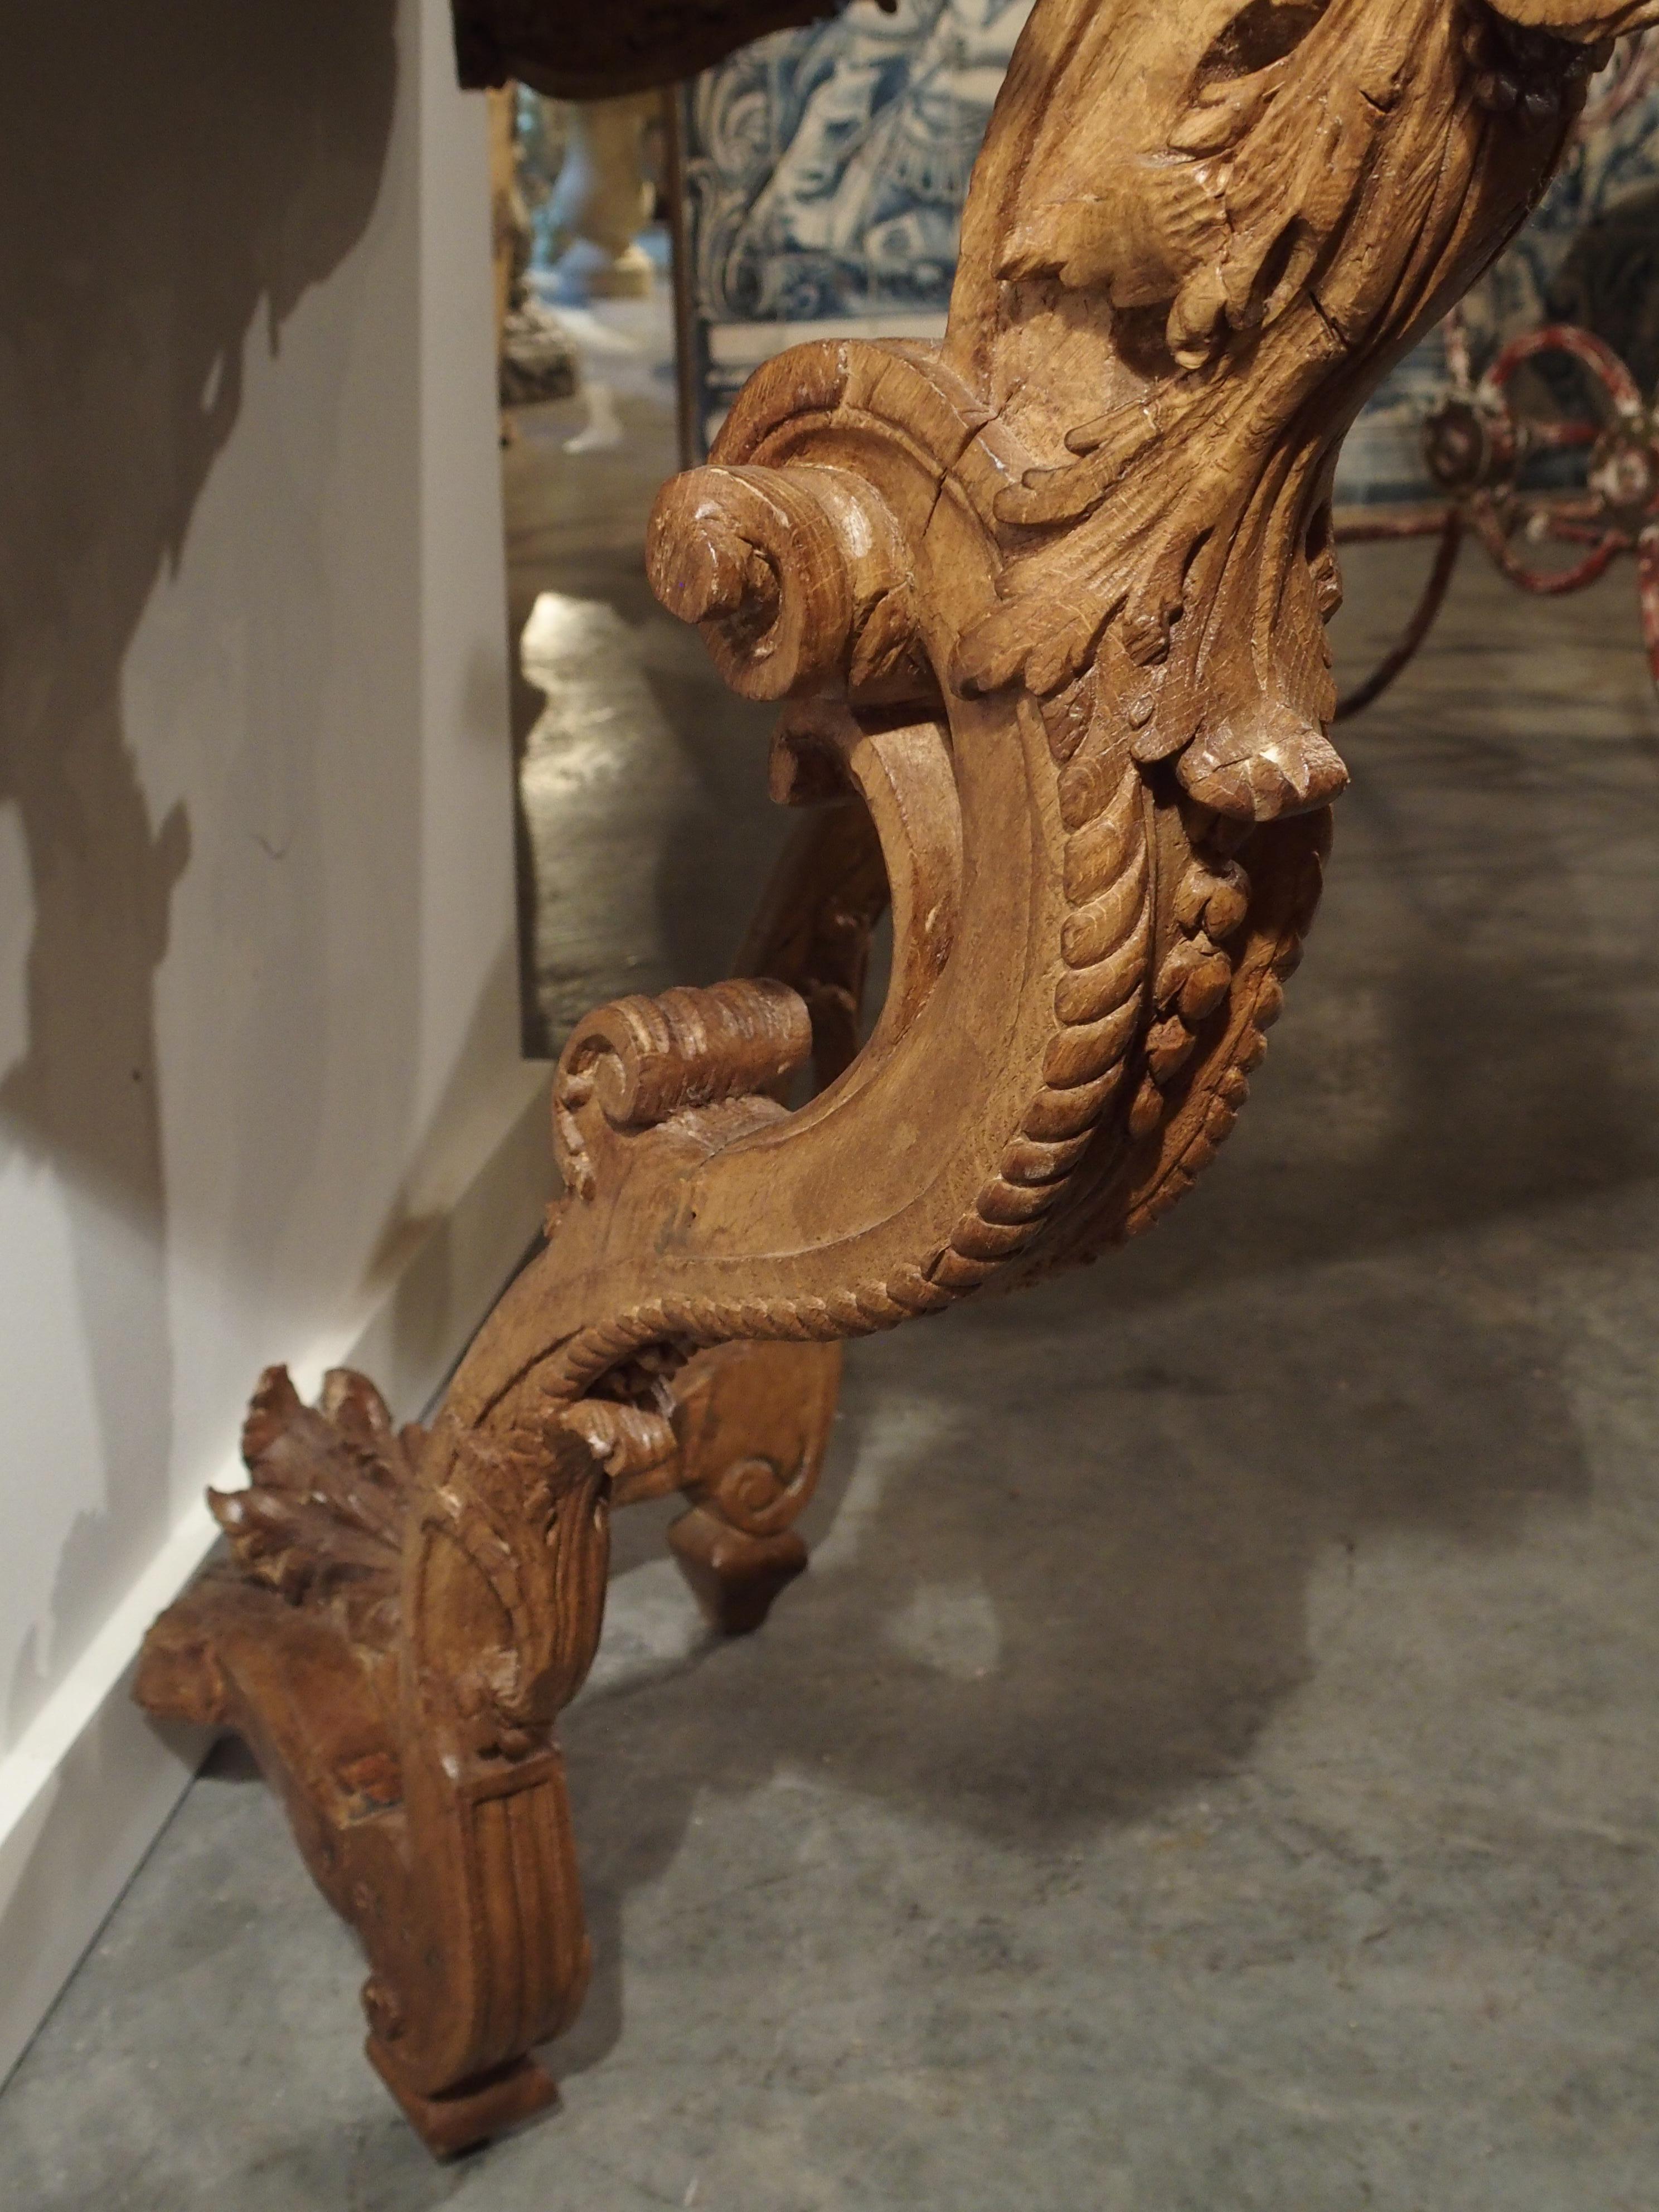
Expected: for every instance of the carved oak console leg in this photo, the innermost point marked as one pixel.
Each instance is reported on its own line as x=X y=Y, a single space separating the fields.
x=1043 y=606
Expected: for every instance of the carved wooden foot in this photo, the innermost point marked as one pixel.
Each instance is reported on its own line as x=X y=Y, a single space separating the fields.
x=754 y=1427
x=475 y=2111
x=734 y=1576
x=394 y=1651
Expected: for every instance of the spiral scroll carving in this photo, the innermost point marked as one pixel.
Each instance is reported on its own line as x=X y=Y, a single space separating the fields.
x=797 y=578
x=640 y=1061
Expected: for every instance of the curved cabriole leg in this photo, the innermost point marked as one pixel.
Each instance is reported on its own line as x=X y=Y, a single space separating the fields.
x=1046 y=605
x=396 y=1653
x=364 y=1630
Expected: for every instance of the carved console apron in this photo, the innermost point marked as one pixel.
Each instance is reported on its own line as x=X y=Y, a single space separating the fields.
x=1044 y=609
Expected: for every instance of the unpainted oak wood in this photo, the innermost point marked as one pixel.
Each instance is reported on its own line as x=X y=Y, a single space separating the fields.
x=1043 y=608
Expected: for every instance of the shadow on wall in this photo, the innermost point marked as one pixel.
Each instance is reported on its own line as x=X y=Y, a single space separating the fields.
x=168 y=173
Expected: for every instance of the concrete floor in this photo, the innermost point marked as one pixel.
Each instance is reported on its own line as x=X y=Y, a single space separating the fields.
x=1212 y=1763
x=645 y=830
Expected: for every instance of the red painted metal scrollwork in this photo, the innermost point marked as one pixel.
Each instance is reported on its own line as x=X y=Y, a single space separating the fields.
x=1478 y=444
x=1481 y=441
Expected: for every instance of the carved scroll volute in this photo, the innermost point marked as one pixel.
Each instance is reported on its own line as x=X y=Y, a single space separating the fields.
x=635 y=1066
x=797 y=579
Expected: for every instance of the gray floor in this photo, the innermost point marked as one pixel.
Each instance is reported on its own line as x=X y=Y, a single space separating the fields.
x=646 y=830
x=1212 y=1764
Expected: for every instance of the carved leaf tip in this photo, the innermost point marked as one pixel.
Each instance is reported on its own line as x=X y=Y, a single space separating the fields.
x=274 y=1404
x=1015 y=645
x=1264 y=768
x=328 y=1490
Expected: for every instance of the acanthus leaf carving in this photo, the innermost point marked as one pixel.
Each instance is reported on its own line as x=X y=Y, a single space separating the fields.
x=1285 y=279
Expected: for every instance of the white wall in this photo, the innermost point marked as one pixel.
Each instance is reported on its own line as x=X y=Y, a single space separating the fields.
x=260 y=1089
